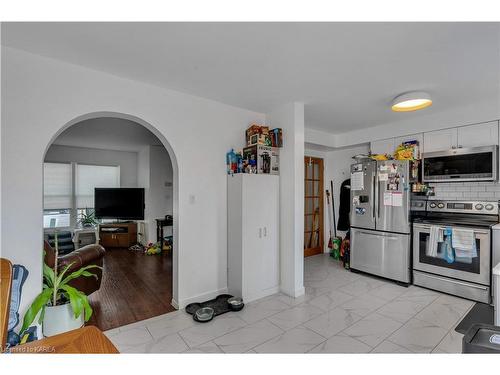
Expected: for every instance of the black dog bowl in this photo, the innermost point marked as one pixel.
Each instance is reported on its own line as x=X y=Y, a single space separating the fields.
x=235 y=303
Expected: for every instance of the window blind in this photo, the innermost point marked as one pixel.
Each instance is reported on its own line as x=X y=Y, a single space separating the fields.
x=89 y=177
x=56 y=186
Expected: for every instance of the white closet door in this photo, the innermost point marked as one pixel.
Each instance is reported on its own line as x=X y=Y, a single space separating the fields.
x=253 y=233
x=270 y=241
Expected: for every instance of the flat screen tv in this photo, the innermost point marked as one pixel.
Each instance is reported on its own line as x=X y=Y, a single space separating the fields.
x=119 y=203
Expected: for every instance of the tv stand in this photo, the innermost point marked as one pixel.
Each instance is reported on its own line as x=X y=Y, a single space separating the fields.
x=118 y=235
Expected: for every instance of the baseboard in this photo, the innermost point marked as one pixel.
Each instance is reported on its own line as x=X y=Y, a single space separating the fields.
x=293 y=293
x=199 y=298
x=265 y=293
x=174 y=304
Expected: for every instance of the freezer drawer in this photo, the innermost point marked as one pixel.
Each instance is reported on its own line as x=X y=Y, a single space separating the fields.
x=381 y=253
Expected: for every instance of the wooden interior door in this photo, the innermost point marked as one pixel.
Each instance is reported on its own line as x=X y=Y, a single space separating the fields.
x=313 y=206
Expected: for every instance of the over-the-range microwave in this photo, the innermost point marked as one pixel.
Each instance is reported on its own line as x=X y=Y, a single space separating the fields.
x=461 y=164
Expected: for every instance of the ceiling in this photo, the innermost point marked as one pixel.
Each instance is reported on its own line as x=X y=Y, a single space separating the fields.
x=108 y=133
x=345 y=73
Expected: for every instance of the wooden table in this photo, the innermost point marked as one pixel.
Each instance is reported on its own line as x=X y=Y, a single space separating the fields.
x=86 y=340
x=160 y=224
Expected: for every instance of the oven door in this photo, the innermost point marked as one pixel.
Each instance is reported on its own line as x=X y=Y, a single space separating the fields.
x=475 y=269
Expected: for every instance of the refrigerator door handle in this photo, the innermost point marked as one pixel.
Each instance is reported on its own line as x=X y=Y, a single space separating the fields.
x=374 y=197
x=377 y=195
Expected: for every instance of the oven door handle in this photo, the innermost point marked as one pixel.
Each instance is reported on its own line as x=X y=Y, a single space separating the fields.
x=428 y=227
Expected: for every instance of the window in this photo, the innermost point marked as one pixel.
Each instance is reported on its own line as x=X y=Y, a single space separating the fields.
x=88 y=177
x=65 y=198
x=57 y=195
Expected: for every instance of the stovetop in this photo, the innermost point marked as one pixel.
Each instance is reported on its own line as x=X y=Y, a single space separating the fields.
x=464 y=213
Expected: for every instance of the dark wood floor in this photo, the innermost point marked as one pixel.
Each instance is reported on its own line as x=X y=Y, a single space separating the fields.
x=134 y=287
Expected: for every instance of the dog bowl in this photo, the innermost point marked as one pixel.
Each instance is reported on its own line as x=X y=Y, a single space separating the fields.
x=235 y=303
x=204 y=314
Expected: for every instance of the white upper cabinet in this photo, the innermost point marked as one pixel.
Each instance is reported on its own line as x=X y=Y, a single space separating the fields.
x=382 y=146
x=478 y=135
x=412 y=137
x=485 y=134
x=440 y=140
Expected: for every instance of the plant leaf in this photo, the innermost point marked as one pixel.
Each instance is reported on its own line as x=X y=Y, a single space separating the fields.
x=75 y=299
x=81 y=272
x=61 y=275
x=86 y=306
x=39 y=302
x=48 y=274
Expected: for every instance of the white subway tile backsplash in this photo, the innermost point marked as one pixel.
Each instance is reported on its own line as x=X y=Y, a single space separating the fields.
x=467 y=191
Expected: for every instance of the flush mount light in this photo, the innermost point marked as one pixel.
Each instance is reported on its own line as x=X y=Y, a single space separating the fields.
x=411 y=101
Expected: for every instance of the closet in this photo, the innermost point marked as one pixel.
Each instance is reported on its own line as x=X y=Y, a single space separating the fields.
x=253 y=235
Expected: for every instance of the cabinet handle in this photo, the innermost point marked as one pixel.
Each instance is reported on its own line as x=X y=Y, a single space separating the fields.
x=265 y=231
x=260 y=232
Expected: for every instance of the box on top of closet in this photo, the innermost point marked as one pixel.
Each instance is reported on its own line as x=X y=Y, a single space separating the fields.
x=253 y=235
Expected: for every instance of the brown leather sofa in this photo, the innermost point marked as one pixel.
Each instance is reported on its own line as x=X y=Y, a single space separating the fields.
x=85 y=256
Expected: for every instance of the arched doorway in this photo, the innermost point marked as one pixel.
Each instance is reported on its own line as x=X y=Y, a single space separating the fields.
x=87 y=129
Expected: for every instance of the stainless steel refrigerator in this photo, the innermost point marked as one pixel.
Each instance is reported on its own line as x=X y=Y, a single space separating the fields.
x=380 y=218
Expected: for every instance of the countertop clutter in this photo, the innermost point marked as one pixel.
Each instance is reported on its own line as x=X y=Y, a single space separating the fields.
x=261 y=153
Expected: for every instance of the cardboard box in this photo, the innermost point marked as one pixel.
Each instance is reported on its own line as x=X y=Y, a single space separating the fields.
x=266 y=159
x=258 y=134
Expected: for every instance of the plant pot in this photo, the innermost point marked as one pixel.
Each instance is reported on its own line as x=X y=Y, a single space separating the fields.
x=59 y=319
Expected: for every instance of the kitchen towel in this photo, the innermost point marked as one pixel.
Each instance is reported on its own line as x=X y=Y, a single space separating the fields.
x=436 y=235
x=464 y=244
x=462 y=239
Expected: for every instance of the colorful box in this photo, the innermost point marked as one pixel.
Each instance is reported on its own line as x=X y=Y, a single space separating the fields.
x=261 y=159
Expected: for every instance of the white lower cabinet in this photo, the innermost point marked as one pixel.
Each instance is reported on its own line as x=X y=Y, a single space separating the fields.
x=253 y=235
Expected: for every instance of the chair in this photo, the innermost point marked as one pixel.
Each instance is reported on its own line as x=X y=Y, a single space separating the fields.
x=5 y=289
x=85 y=256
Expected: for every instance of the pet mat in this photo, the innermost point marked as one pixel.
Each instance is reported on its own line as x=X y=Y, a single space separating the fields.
x=219 y=304
x=480 y=313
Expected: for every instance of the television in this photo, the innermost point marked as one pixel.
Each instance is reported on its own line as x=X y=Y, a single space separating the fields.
x=119 y=203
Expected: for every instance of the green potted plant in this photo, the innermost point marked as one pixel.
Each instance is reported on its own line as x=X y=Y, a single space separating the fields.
x=88 y=219
x=62 y=308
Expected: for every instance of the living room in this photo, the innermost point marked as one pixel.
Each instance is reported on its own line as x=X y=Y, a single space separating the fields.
x=179 y=187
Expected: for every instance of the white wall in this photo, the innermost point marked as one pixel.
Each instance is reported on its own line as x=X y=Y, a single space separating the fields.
x=339 y=169
x=156 y=173
x=290 y=118
x=41 y=95
x=126 y=160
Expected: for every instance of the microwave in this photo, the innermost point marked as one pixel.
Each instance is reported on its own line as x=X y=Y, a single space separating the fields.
x=461 y=164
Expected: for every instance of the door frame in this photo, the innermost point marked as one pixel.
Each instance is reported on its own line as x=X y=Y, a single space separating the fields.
x=320 y=179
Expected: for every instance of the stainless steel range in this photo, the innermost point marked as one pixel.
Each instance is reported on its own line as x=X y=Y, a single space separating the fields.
x=452 y=247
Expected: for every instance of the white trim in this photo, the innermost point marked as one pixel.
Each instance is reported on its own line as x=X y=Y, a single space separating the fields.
x=174 y=303
x=293 y=293
x=262 y=294
x=199 y=298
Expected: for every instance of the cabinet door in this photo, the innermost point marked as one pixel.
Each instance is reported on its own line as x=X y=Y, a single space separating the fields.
x=270 y=239
x=412 y=137
x=440 y=140
x=382 y=146
x=254 y=192
x=478 y=135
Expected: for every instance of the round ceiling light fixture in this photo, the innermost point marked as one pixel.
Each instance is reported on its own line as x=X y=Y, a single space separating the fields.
x=411 y=101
